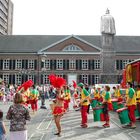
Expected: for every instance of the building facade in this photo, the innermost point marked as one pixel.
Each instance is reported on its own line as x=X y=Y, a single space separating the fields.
x=83 y=58
x=6 y=17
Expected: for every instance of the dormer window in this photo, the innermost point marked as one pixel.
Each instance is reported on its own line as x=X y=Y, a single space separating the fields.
x=72 y=47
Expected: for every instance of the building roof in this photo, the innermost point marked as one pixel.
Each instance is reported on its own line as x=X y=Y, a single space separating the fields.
x=34 y=43
x=127 y=44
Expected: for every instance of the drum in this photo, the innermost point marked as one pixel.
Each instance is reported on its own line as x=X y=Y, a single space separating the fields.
x=94 y=103
x=120 y=105
x=123 y=115
x=115 y=104
x=137 y=114
x=98 y=114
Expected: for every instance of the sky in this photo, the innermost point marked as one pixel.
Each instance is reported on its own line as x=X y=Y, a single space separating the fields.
x=78 y=17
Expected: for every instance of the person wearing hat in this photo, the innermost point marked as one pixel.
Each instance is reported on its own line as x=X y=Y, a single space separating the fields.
x=84 y=102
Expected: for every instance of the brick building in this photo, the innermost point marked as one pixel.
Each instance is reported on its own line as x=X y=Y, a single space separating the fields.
x=86 y=58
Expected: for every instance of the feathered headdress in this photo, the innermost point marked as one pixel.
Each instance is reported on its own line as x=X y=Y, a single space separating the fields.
x=56 y=81
x=25 y=85
x=74 y=84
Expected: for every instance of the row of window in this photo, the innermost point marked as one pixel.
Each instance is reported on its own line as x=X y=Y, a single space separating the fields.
x=47 y=64
x=5 y=3
x=59 y=64
x=121 y=64
x=3 y=8
x=19 y=79
x=71 y=64
x=18 y=64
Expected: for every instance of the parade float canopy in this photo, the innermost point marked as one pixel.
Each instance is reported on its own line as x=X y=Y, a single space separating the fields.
x=133 y=72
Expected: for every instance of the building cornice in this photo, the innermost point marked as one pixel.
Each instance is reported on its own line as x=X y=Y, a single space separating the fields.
x=69 y=53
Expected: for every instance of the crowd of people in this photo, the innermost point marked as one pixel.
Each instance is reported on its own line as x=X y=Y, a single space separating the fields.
x=97 y=98
x=80 y=95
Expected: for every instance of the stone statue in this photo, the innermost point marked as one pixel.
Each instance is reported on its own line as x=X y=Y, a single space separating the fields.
x=108 y=24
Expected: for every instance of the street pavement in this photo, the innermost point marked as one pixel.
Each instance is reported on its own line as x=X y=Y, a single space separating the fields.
x=42 y=127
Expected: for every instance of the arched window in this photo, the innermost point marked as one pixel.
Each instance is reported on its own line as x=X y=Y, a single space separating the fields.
x=72 y=48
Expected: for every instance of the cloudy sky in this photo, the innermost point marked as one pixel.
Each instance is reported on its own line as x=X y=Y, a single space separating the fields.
x=78 y=17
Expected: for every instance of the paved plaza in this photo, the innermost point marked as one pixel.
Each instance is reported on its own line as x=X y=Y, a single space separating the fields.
x=41 y=127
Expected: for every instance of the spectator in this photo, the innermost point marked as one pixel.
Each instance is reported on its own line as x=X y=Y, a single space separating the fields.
x=2 y=127
x=18 y=114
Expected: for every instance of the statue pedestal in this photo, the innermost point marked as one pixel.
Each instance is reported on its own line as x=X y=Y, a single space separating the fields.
x=109 y=79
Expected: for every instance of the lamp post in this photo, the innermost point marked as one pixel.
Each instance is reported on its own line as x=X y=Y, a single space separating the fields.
x=43 y=58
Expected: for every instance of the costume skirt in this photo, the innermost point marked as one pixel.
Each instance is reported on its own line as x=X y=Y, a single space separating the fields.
x=58 y=110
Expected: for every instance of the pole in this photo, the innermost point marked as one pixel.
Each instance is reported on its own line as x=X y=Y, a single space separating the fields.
x=43 y=96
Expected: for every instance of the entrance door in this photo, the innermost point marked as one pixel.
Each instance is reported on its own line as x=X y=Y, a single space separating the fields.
x=72 y=77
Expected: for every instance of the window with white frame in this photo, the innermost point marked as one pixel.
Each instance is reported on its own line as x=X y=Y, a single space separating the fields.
x=6 y=64
x=31 y=77
x=18 y=79
x=30 y=64
x=96 y=79
x=72 y=64
x=97 y=64
x=125 y=62
x=59 y=65
x=85 y=78
x=85 y=64
x=46 y=79
x=6 y=77
x=72 y=47
x=18 y=64
x=47 y=64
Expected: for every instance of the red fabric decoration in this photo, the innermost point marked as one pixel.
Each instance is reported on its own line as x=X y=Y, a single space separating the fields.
x=74 y=84
x=26 y=85
x=57 y=82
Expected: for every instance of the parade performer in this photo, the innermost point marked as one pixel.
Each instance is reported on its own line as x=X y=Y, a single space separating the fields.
x=67 y=97
x=118 y=94
x=76 y=99
x=34 y=98
x=138 y=98
x=58 y=110
x=84 y=102
x=24 y=90
x=131 y=104
x=97 y=94
x=107 y=106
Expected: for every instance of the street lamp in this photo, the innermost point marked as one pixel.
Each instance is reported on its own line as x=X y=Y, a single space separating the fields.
x=43 y=58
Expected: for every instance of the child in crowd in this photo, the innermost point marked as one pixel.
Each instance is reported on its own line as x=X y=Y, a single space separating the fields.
x=2 y=127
